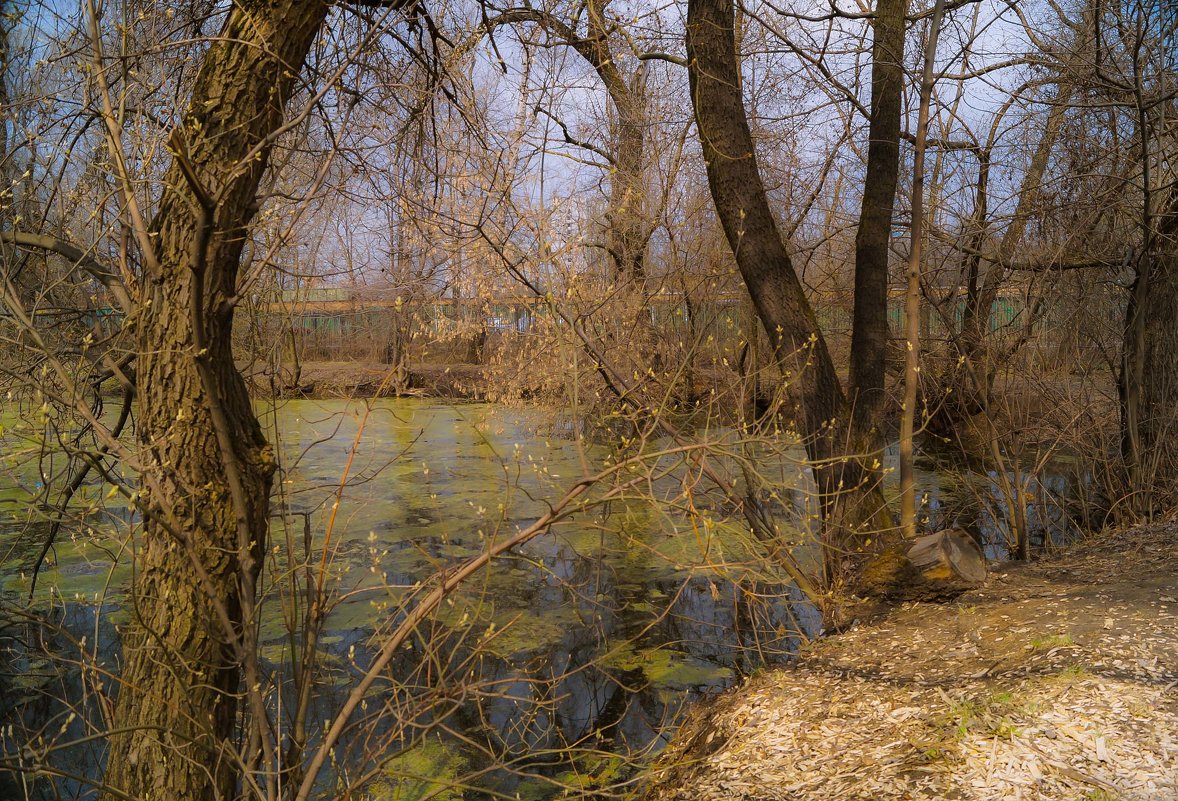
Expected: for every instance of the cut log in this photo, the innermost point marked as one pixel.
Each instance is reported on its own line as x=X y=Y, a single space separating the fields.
x=949 y=555
x=934 y=567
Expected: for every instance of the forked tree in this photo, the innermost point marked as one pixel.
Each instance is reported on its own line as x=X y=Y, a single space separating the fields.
x=841 y=446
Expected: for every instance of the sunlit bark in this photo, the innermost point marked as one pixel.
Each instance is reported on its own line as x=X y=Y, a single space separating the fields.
x=205 y=524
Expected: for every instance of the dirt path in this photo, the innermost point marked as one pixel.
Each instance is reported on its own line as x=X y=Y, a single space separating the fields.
x=1056 y=680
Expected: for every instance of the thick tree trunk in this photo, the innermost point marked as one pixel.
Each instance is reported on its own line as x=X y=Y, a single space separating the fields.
x=1158 y=419
x=1148 y=382
x=869 y=335
x=206 y=506
x=853 y=507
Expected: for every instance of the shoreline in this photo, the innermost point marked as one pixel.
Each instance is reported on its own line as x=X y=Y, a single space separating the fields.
x=1056 y=680
x=346 y=380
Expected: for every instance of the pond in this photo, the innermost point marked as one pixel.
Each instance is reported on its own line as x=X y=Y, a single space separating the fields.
x=559 y=667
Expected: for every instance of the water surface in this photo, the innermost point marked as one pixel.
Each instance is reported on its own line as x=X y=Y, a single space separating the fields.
x=572 y=655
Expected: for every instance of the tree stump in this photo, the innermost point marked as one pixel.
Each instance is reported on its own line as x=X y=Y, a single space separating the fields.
x=949 y=559
x=937 y=566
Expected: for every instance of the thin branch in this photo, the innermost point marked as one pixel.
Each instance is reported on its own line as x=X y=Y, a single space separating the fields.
x=570 y=139
x=80 y=258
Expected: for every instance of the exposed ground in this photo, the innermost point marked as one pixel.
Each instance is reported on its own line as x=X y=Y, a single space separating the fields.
x=1056 y=680
x=359 y=379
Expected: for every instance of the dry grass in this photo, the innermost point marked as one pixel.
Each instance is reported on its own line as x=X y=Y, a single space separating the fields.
x=1057 y=680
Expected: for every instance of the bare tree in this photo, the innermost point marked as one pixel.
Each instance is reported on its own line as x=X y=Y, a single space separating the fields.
x=206 y=509
x=869 y=336
x=602 y=44
x=912 y=296
x=853 y=505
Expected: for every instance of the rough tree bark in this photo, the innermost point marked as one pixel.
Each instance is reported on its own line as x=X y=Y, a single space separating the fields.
x=853 y=508
x=1159 y=392
x=935 y=566
x=869 y=334
x=7 y=19
x=1148 y=383
x=206 y=507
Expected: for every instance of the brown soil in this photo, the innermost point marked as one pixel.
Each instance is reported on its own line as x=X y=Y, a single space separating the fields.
x=1056 y=680
x=373 y=379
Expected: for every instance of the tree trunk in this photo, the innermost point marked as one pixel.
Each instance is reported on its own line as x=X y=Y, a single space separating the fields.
x=869 y=335
x=853 y=508
x=977 y=317
x=975 y=320
x=971 y=380
x=7 y=20
x=628 y=231
x=972 y=383
x=1148 y=383
x=912 y=296
x=476 y=345
x=627 y=236
x=205 y=505
x=1158 y=400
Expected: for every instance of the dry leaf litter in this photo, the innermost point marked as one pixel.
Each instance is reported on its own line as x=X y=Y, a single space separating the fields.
x=1056 y=680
